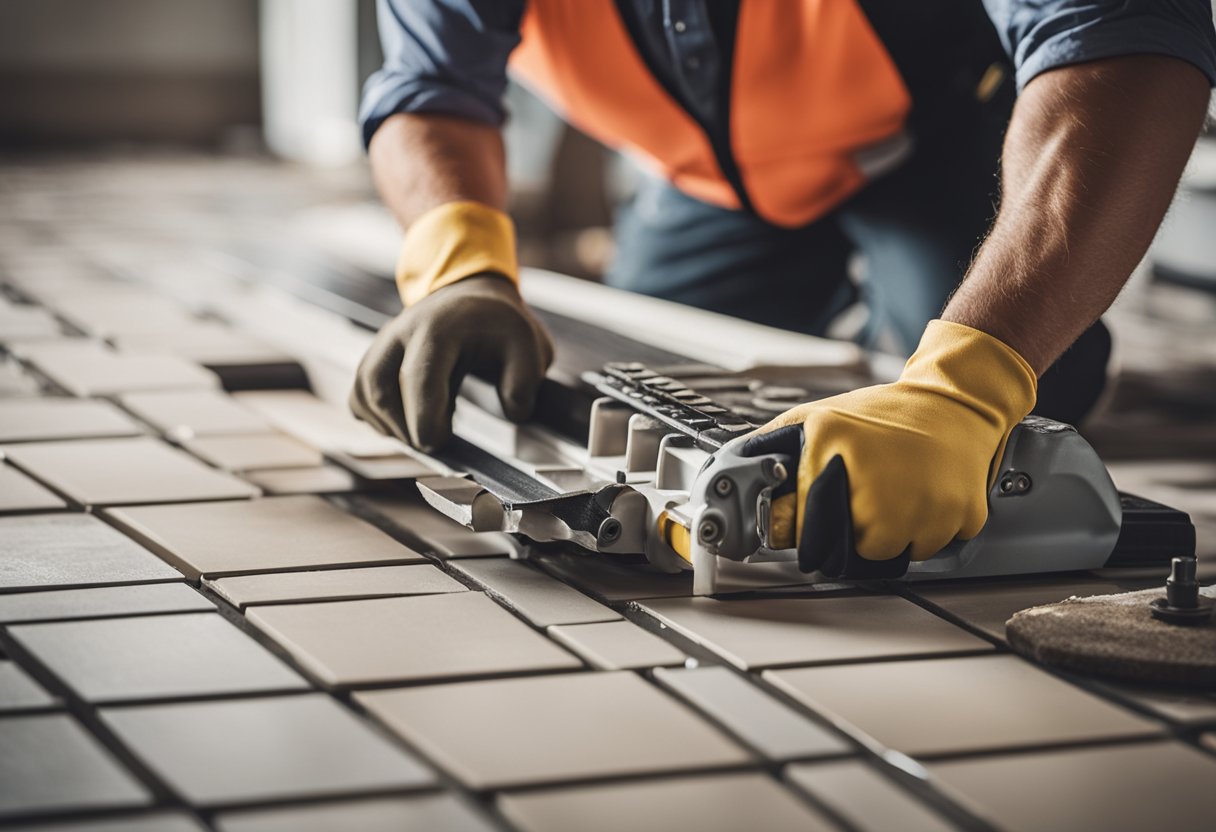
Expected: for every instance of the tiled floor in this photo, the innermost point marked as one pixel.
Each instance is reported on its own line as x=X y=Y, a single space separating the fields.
x=179 y=651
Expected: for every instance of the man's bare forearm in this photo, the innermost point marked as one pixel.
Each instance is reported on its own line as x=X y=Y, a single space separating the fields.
x=1091 y=161
x=422 y=161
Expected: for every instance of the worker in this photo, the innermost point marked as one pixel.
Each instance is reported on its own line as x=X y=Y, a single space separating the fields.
x=780 y=137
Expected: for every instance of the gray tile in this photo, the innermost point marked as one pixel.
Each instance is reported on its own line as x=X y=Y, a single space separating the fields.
x=270 y=534
x=1004 y=702
x=100 y=602
x=552 y=728
x=184 y=413
x=155 y=656
x=149 y=822
x=435 y=533
x=440 y=812
x=24 y=420
x=87 y=368
x=789 y=631
x=244 y=453
x=46 y=550
x=289 y=747
x=19 y=692
x=617 y=645
x=537 y=597
x=1139 y=786
x=51 y=764
x=767 y=725
x=866 y=799
x=321 y=479
x=334 y=584
x=108 y=472
x=719 y=803
x=350 y=643
x=20 y=493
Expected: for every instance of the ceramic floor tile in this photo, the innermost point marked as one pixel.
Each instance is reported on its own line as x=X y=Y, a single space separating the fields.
x=1158 y=785
x=266 y=535
x=108 y=472
x=149 y=822
x=19 y=323
x=20 y=493
x=289 y=747
x=23 y=420
x=100 y=602
x=617 y=645
x=350 y=643
x=185 y=413
x=719 y=803
x=394 y=466
x=333 y=585
x=552 y=728
x=321 y=424
x=441 y=813
x=124 y=308
x=204 y=342
x=539 y=598
x=866 y=799
x=14 y=383
x=244 y=453
x=435 y=533
x=765 y=724
x=155 y=656
x=321 y=479
x=87 y=368
x=1183 y=706
x=19 y=692
x=43 y=551
x=1008 y=703
x=50 y=764
x=789 y=631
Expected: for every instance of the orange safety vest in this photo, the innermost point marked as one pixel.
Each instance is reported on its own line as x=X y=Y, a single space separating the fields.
x=813 y=93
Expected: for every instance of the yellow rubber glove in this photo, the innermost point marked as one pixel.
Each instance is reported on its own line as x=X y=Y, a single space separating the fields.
x=920 y=453
x=454 y=241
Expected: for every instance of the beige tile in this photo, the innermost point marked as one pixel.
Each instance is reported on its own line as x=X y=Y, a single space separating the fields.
x=1160 y=785
x=87 y=368
x=537 y=597
x=770 y=727
x=266 y=535
x=552 y=728
x=110 y=472
x=866 y=799
x=100 y=602
x=185 y=413
x=18 y=692
x=1189 y=707
x=976 y=703
x=617 y=645
x=146 y=822
x=440 y=813
x=352 y=643
x=244 y=453
x=716 y=803
x=14 y=383
x=126 y=308
x=333 y=585
x=23 y=420
x=19 y=323
x=20 y=493
x=789 y=631
x=320 y=479
x=321 y=424
x=204 y=342
x=277 y=748
x=433 y=532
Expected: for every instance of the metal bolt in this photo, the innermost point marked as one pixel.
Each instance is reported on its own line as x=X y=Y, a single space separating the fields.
x=610 y=531
x=1182 y=604
x=723 y=486
x=779 y=472
x=1021 y=483
x=709 y=530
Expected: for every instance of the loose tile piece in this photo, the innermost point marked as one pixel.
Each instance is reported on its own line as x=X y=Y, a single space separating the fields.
x=244 y=453
x=87 y=368
x=20 y=493
x=24 y=420
x=790 y=631
x=435 y=533
x=51 y=764
x=266 y=535
x=617 y=645
x=1009 y=703
x=537 y=597
x=100 y=602
x=285 y=747
x=1161 y=785
x=719 y=803
x=193 y=412
x=19 y=692
x=108 y=472
x=767 y=725
x=347 y=643
x=150 y=657
x=333 y=585
x=321 y=479
x=866 y=799
x=441 y=813
x=552 y=728
x=45 y=551
x=149 y=822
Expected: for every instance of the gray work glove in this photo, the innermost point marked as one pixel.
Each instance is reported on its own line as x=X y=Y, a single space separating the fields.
x=407 y=382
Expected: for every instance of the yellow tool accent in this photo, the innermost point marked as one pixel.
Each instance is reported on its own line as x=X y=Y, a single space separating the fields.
x=676 y=535
x=454 y=241
x=921 y=453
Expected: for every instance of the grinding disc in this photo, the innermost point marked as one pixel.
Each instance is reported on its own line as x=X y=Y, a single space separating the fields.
x=1116 y=636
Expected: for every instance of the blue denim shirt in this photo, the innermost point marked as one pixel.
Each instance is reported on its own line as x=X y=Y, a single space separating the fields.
x=450 y=56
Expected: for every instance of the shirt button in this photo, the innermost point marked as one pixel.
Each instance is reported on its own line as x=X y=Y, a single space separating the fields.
x=680 y=26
